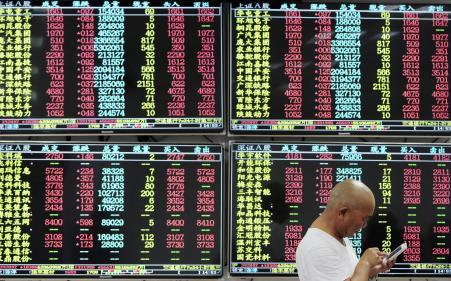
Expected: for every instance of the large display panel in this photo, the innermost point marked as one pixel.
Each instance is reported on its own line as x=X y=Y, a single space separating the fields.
x=339 y=68
x=277 y=190
x=110 y=66
x=110 y=210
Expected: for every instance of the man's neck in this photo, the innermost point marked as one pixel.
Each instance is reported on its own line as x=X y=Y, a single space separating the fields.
x=324 y=223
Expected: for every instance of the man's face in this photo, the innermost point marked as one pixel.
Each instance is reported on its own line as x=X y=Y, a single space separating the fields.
x=356 y=219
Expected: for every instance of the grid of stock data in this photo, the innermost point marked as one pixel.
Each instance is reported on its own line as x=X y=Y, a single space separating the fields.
x=239 y=71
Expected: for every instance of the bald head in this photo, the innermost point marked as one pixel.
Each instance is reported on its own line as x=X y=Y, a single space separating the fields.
x=351 y=204
x=352 y=194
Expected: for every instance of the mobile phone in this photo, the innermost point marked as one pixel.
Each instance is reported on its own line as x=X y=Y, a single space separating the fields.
x=396 y=252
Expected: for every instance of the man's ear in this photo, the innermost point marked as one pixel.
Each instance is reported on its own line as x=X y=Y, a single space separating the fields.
x=342 y=211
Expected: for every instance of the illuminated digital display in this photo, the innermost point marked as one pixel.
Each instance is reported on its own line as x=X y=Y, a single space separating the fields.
x=339 y=68
x=110 y=210
x=278 y=190
x=110 y=66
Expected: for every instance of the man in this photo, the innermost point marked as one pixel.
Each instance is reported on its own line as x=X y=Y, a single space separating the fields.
x=325 y=253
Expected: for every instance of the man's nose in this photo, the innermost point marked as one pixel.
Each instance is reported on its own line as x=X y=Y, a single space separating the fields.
x=364 y=224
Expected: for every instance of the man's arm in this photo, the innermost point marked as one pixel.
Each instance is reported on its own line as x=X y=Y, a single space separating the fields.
x=371 y=259
x=361 y=272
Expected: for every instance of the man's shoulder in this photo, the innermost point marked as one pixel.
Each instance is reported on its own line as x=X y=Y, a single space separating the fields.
x=318 y=241
x=315 y=234
x=312 y=239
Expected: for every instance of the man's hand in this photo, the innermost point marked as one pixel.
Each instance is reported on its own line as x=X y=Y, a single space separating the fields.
x=373 y=257
x=388 y=263
x=369 y=264
x=384 y=266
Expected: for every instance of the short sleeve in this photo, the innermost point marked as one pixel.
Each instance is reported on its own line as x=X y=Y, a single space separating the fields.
x=322 y=264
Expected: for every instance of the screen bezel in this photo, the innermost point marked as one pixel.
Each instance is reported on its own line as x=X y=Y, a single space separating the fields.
x=388 y=276
x=319 y=132
x=168 y=130
x=222 y=215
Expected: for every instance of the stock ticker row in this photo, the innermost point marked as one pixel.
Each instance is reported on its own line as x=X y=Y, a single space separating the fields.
x=167 y=210
x=93 y=67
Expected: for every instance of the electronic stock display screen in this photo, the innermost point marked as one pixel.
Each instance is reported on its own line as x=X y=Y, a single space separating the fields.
x=279 y=189
x=93 y=67
x=110 y=210
x=339 y=68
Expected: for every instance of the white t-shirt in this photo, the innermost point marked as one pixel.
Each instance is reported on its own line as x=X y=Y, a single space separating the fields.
x=320 y=257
